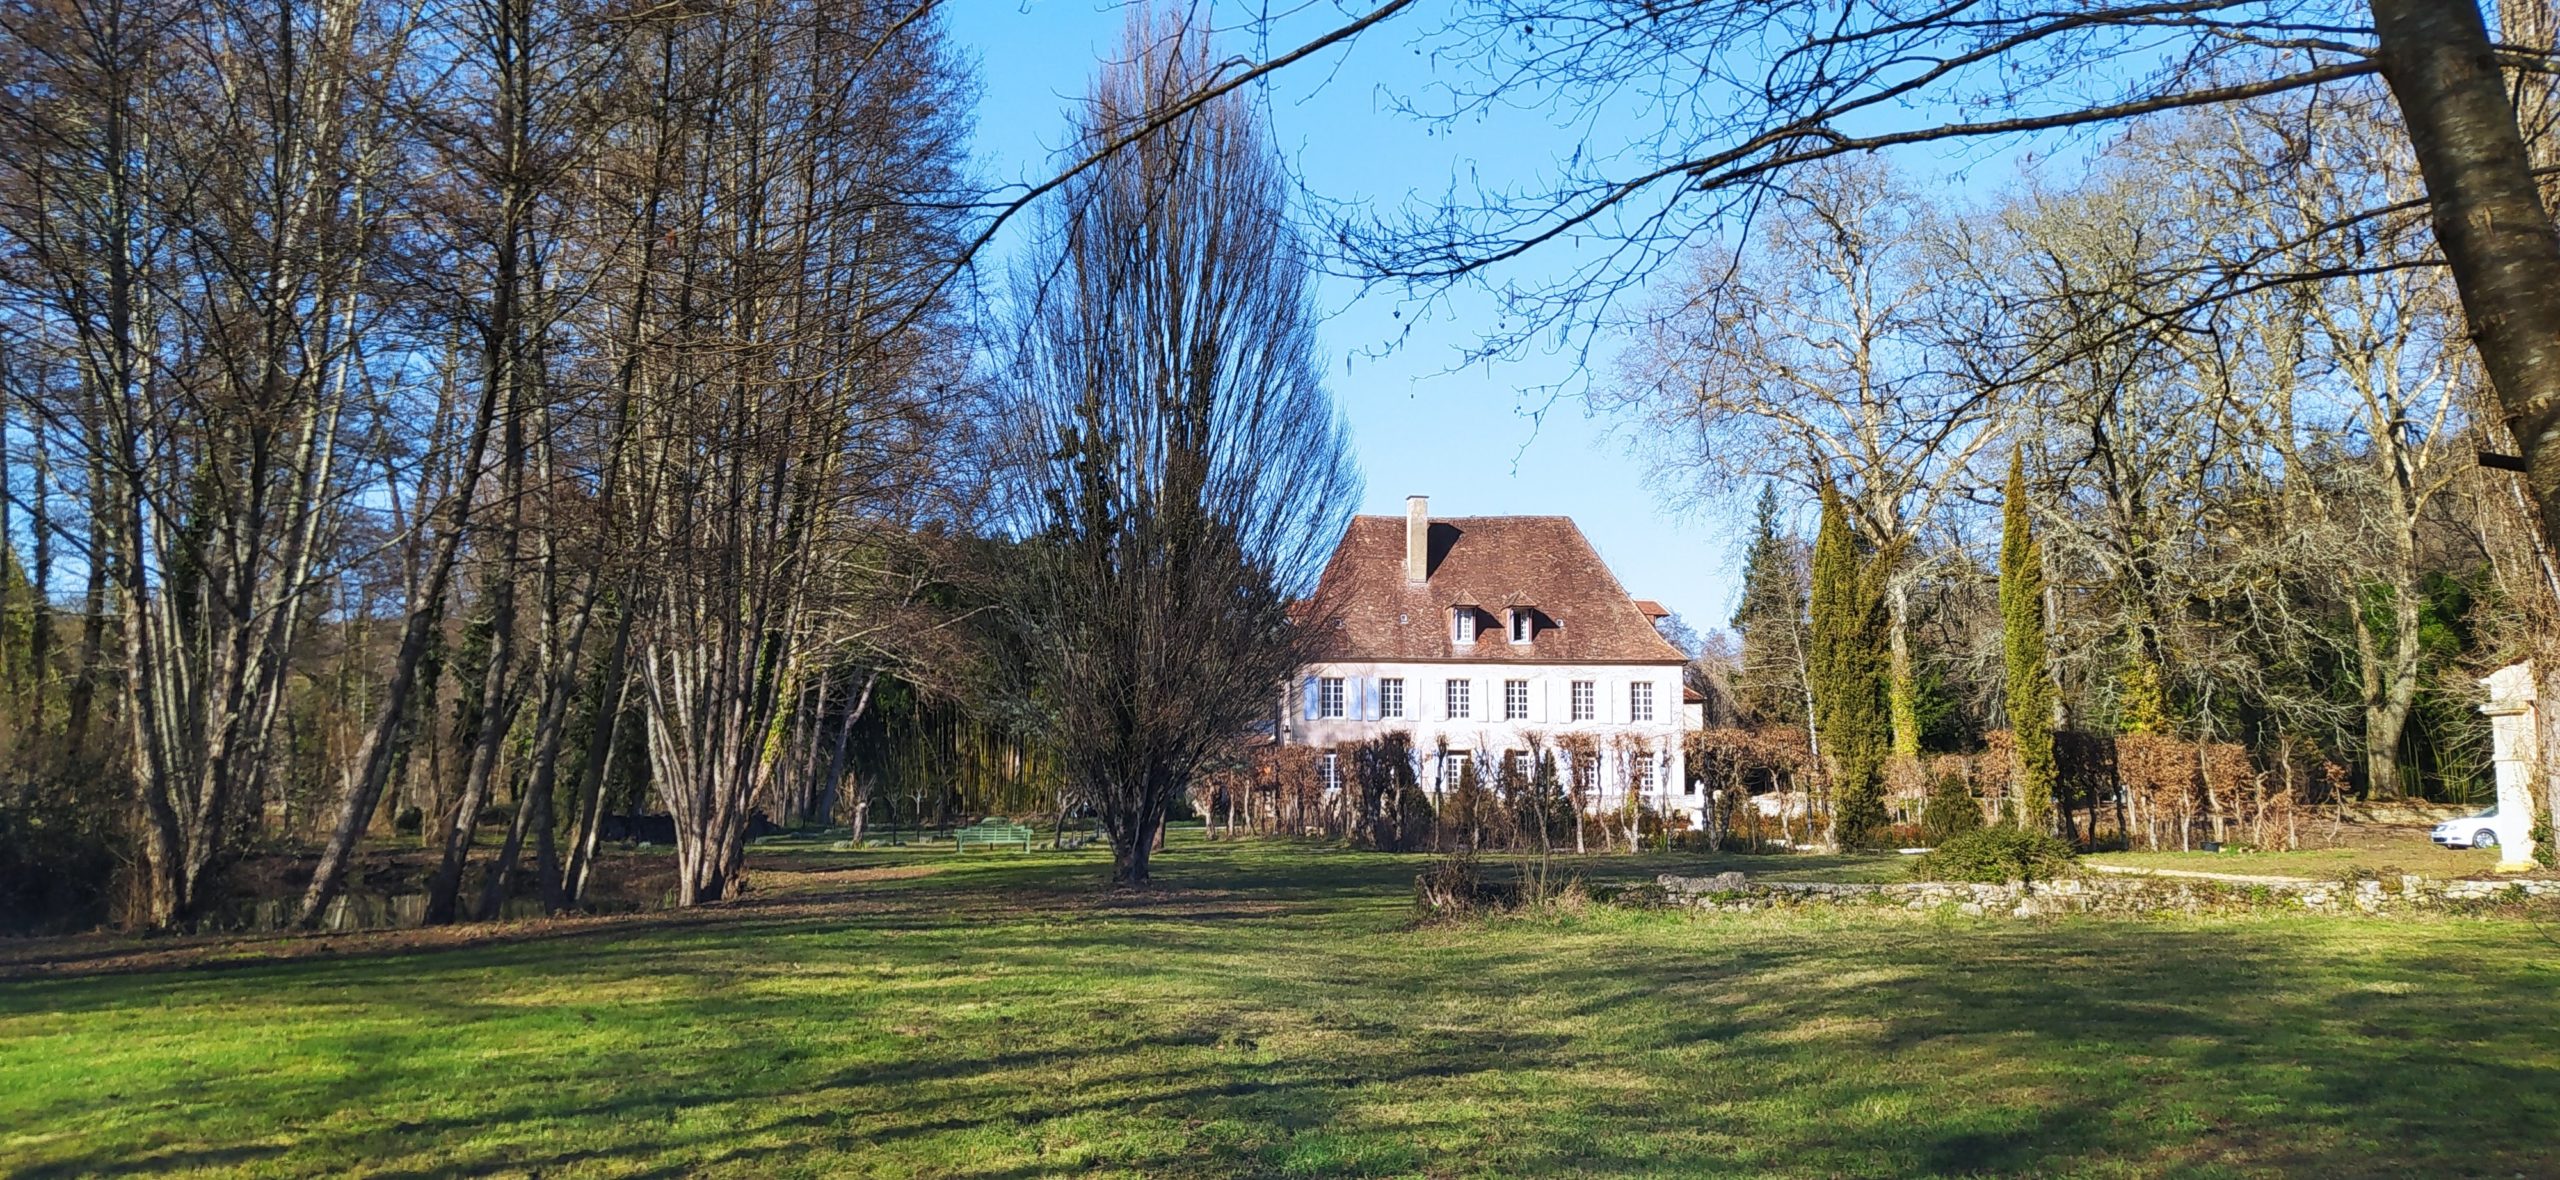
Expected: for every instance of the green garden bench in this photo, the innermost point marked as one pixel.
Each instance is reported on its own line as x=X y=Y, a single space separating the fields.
x=991 y=832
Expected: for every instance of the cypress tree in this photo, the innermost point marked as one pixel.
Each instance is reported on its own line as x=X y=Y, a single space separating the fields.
x=1770 y=619
x=2030 y=682
x=1849 y=665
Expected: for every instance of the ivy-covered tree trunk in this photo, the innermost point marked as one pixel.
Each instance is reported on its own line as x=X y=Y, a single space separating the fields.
x=1902 y=682
x=2030 y=681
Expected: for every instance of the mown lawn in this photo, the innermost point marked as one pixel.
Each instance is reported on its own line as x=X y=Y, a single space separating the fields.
x=1271 y=1011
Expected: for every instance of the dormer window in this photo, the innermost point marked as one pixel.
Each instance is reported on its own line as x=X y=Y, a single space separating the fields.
x=1462 y=625
x=1523 y=624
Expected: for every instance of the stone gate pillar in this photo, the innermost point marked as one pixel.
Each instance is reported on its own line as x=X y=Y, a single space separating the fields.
x=2514 y=741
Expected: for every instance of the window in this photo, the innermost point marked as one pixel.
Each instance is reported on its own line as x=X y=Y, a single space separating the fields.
x=1329 y=702
x=1515 y=700
x=1648 y=773
x=1523 y=620
x=1460 y=707
x=1516 y=764
x=1391 y=697
x=1329 y=771
x=1453 y=766
x=1462 y=625
x=1689 y=788
x=1584 y=701
x=1640 y=701
x=1586 y=771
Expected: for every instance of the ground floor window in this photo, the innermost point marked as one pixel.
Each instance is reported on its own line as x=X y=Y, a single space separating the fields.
x=1453 y=766
x=1329 y=770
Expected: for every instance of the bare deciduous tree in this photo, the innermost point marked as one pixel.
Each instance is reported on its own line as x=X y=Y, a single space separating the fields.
x=1183 y=469
x=1810 y=358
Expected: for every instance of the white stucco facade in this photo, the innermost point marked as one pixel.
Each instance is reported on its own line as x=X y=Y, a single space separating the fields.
x=1633 y=714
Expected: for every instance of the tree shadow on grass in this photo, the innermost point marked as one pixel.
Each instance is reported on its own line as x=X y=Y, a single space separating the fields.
x=1286 y=1024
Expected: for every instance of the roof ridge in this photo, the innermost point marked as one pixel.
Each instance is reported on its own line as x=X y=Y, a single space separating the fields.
x=1540 y=559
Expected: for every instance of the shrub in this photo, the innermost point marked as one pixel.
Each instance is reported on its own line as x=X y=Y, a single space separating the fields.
x=1452 y=887
x=1950 y=812
x=1996 y=856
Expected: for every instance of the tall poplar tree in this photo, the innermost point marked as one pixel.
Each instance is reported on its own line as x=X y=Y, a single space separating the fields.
x=2030 y=682
x=1183 y=471
x=1849 y=673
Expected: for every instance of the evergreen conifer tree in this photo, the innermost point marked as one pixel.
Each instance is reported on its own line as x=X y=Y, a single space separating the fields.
x=1770 y=619
x=2030 y=682
x=1849 y=666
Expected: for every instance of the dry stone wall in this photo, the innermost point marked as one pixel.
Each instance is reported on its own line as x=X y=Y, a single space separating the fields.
x=2407 y=894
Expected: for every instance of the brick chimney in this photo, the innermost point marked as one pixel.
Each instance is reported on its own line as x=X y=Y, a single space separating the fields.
x=1417 y=538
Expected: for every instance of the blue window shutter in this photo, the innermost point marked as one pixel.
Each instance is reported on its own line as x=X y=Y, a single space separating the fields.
x=1369 y=698
x=1311 y=698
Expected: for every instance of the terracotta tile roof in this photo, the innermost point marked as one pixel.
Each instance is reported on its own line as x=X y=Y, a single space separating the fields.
x=1494 y=563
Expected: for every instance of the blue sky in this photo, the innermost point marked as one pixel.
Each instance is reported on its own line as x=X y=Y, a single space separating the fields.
x=1474 y=438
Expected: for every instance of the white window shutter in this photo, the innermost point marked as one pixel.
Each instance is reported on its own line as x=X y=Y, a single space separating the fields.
x=1617 y=707
x=1538 y=699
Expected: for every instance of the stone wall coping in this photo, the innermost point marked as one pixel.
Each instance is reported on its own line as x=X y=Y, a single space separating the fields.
x=2122 y=893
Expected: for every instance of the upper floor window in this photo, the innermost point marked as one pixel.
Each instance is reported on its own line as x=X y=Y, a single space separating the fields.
x=1585 y=702
x=1329 y=698
x=1515 y=700
x=1523 y=624
x=1461 y=707
x=1640 y=701
x=1391 y=697
x=1462 y=625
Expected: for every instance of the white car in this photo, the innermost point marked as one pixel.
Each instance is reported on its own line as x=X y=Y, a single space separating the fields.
x=2470 y=831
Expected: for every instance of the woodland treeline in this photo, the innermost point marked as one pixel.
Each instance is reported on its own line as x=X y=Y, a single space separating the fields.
x=453 y=426
x=465 y=416
x=441 y=427
x=2259 y=517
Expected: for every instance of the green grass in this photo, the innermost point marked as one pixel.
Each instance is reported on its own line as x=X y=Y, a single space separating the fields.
x=1271 y=1011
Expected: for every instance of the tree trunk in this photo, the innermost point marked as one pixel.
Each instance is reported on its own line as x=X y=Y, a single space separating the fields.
x=2488 y=214
x=382 y=742
x=497 y=698
x=603 y=744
